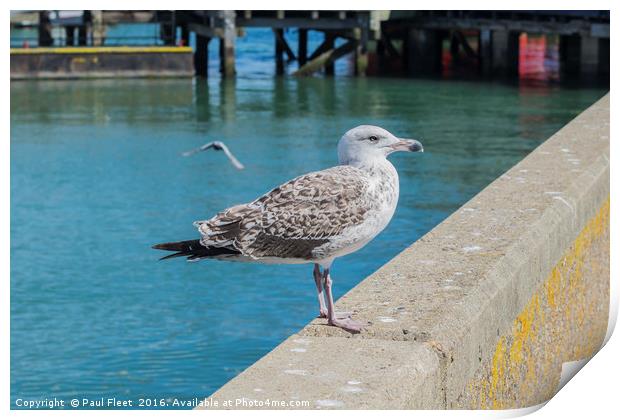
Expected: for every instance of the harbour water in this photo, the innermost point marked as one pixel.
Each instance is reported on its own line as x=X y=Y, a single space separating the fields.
x=97 y=177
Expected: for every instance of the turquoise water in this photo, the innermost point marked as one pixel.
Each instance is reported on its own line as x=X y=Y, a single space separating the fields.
x=97 y=178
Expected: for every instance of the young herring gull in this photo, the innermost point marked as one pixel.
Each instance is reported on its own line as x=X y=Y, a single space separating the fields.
x=314 y=218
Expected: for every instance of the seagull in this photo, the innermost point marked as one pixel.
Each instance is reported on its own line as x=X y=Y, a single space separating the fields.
x=314 y=218
x=217 y=145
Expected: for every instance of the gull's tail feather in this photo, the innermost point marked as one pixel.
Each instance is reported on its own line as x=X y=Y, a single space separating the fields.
x=194 y=250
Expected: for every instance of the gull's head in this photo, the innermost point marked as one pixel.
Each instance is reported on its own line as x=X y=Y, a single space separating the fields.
x=368 y=142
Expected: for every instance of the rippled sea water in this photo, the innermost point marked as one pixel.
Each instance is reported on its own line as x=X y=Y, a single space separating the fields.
x=97 y=178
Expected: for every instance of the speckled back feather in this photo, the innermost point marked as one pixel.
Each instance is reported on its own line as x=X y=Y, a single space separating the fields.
x=293 y=219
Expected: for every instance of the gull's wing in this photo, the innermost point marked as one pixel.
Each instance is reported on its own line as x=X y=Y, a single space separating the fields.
x=217 y=145
x=231 y=157
x=199 y=149
x=294 y=219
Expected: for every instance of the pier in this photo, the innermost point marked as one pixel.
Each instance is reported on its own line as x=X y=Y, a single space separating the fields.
x=411 y=43
x=583 y=39
x=353 y=27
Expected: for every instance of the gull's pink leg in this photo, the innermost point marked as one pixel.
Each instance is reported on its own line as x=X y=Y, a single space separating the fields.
x=318 y=280
x=319 y=288
x=346 y=324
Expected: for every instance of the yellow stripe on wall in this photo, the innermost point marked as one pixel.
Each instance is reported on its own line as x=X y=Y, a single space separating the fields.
x=100 y=50
x=565 y=320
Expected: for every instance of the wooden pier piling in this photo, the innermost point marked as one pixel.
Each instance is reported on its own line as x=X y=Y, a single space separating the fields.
x=361 y=51
x=329 y=45
x=302 y=47
x=227 y=43
x=201 y=55
x=486 y=52
x=278 y=34
x=423 y=49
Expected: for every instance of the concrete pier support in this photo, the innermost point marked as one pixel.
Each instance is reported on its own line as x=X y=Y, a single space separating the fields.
x=579 y=56
x=423 y=52
x=201 y=55
x=569 y=55
x=504 y=53
x=584 y=56
x=227 y=43
x=603 y=58
x=590 y=57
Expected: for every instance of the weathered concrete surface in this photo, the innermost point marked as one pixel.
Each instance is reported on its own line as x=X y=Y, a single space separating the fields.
x=340 y=373
x=100 y=62
x=494 y=291
x=566 y=319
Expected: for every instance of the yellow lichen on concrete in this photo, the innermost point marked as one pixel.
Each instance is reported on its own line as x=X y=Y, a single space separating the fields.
x=565 y=320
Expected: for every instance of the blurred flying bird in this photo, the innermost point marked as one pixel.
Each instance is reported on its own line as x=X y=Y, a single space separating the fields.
x=217 y=145
x=314 y=218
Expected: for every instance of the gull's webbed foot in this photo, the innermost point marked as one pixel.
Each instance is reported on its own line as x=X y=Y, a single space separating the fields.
x=346 y=324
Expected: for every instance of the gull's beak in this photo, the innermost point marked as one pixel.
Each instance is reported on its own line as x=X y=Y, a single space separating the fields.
x=407 y=145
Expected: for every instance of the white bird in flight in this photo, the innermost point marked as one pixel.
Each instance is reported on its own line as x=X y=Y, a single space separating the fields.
x=217 y=145
x=314 y=218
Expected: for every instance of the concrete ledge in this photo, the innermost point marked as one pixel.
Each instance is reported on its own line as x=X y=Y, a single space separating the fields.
x=494 y=292
x=339 y=373
x=101 y=62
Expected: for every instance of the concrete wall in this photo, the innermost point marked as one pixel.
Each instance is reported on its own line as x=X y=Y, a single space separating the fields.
x=479 y=313
x=96 y=62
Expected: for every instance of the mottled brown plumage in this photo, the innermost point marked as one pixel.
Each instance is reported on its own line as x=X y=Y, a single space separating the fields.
x=294 y=219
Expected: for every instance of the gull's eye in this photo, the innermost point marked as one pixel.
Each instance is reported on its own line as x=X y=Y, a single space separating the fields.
x=373 y=139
